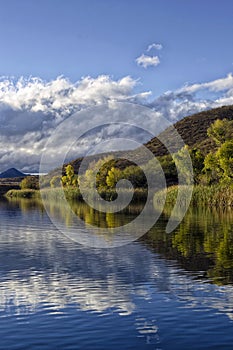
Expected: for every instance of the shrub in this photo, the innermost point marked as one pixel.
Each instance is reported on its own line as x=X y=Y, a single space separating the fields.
x=30 y=182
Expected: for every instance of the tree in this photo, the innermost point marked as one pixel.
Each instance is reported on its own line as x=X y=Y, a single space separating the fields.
x=211 y=168
x=103 y=166
x=96 y=173
x=55 y=181
x=70 y=179
x=197 y=158
x=135 y=175
x=221 y=131
x=30 y=182
x=114 y=175
x=219 y=165
x=184 y=168
x=225 y=159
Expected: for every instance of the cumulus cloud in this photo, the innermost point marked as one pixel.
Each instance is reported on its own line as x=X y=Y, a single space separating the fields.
x=30 y=110
x=174 y=105
x=154 y=46
x=60 y=96
x=147 y=61
x=215 y=85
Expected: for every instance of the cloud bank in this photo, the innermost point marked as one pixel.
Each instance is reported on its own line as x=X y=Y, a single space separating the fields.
x=30 y=109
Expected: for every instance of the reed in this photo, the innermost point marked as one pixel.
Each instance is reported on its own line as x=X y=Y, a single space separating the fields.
x=27 y=193
x=214 y=195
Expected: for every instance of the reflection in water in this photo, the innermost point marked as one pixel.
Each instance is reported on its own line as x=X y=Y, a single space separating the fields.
x=203 y=242
x=128 y=296
x=92 y=216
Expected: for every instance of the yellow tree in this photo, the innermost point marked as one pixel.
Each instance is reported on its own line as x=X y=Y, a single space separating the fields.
x=114 y=175
x=70 y=179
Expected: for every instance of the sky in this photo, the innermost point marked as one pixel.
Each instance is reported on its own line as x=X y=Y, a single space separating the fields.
x=58 y=57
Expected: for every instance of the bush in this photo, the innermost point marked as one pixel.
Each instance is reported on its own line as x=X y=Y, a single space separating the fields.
x=27 y=193
x=55 y=181
x=30 y=182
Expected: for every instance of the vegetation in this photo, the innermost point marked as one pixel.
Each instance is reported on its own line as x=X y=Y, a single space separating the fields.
x=192 y=129
x=30 y=182
x=70 y=179
x=24 y=193
x=219 y=165
x=202 y=195
x=210 y=147
x=212 y=172
x=202 y=242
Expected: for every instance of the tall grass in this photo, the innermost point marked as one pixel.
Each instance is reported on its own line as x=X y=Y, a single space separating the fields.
x=27 y=193
x=214 y=195
x=58 y=193
x=138 y=195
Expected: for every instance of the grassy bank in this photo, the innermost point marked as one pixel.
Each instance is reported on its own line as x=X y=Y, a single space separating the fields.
x=214 y=195
x=139 y=195
x=27 y=193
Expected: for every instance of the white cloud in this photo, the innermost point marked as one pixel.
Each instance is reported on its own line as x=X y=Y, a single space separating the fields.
x=154 y=46
x=215 y=85
x=60 y=96
x=30 y=109
x=147 y=61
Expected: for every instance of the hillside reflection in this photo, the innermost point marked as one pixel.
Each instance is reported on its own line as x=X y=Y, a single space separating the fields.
x=42 y=268
x=202 y=243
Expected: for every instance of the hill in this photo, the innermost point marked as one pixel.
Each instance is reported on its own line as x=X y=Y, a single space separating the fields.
x=11 y=173
x=192 y=129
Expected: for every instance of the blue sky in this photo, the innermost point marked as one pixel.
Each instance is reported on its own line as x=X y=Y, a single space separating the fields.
x=76 y=38
x=64 y=56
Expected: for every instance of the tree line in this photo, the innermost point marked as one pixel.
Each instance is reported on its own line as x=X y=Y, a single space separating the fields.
x=209 y=168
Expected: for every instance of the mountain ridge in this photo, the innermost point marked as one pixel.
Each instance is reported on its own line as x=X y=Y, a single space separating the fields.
x=11 y=173
x=192 y=129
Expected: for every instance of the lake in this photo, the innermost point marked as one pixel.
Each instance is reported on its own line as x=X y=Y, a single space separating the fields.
x=163 y=291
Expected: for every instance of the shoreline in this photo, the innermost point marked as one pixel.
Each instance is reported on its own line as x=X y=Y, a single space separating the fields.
x=207 y=195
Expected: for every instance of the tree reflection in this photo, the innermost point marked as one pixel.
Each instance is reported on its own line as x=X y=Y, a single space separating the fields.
x=203 y=242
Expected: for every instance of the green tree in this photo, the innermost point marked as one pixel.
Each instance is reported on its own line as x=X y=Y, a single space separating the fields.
x=96 y=173
x=114 y=175
x=55 y=181
x=70 y=179
x=30 y=182
x=105 y=165
x=135 y=175
x=221 y=131
x=219 y=165
x=198 y=159
x=211 y=168
x=224 y=156
x=182 y=161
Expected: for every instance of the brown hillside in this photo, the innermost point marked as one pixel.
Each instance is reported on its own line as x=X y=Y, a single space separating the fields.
x=192 y=129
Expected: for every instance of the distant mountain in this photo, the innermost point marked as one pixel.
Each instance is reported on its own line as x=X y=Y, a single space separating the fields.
x=11 y=173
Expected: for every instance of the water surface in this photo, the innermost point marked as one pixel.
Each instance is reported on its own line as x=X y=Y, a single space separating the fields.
x=160 y=292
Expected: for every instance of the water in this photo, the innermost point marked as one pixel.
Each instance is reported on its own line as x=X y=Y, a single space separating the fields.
x=161 y=292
